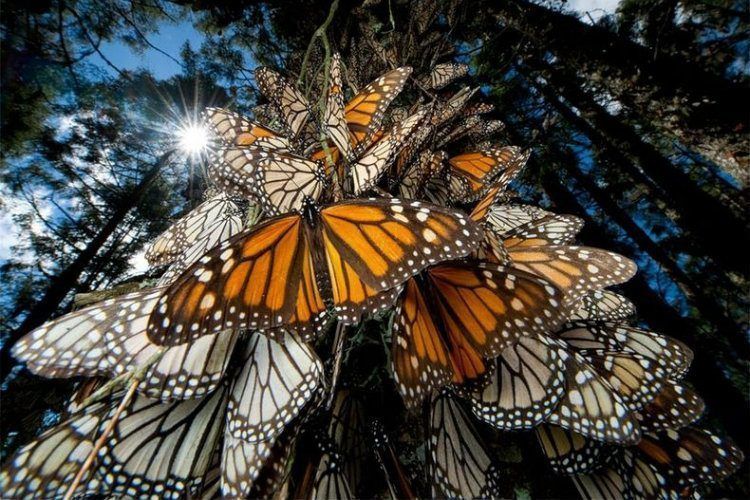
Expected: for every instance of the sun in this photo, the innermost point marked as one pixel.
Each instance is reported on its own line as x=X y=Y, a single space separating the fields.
x=193 y=139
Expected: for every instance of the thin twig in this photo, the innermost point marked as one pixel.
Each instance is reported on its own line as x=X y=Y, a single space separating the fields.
x=135 y=376
x=338 y=348
x=318 y=33
x=102 y=439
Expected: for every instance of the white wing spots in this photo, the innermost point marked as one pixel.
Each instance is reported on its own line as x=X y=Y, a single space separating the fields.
x=277 y=380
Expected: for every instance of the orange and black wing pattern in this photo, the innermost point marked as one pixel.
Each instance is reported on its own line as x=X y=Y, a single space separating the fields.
x=465 y=314
x=689 y=456
x=574 y=270
x=364 y=113
x=236 y=130
x=421 y=362
x=482 y=168
x=489 y=307
x=253 y=280
x=383 y=242
x=482 y=208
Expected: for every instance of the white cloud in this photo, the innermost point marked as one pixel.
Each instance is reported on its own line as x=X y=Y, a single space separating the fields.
x=596 y=9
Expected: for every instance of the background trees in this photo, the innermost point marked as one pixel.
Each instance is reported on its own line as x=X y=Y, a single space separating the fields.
x=638 y=122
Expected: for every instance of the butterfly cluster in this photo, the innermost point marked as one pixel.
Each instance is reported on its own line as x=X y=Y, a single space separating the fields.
x=385 y=207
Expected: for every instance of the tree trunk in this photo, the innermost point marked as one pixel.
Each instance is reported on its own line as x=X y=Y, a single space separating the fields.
x=573 y=40
x=67 y=279
x=720 y=232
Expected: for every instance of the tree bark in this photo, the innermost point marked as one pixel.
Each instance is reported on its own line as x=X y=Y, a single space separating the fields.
x=67 y=279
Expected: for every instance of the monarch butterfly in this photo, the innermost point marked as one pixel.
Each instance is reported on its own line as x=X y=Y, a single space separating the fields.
x=603 y=305
x=590 y=406
x=353 y=127
x=459 y=463
x=671 y=355
x=277 y=379
x=236 y=130
x=665 y=465
x=109 y=339
x=290 y=103
x=364 y=112
x=526 y=385
x=493 y=248
x=375 y=160
x=170 y=244
x=282 y=183
x=155 y=448
x=265 y=277
x=536 y=242
x=573 y=269
x=673 y=408
x=457 y=314
x=443 y=74
x=689 y=455
x=479 y=169
x=569 y=452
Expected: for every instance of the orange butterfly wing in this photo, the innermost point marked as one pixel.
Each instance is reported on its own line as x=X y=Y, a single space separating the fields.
x=574 y=270
x=372 y=246
x=489 y=307
x=253 y=280
x=421 y=361
x=364 y=113
x=481 y=209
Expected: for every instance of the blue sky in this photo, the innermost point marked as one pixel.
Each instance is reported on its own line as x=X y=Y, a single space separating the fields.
x=170 y=38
